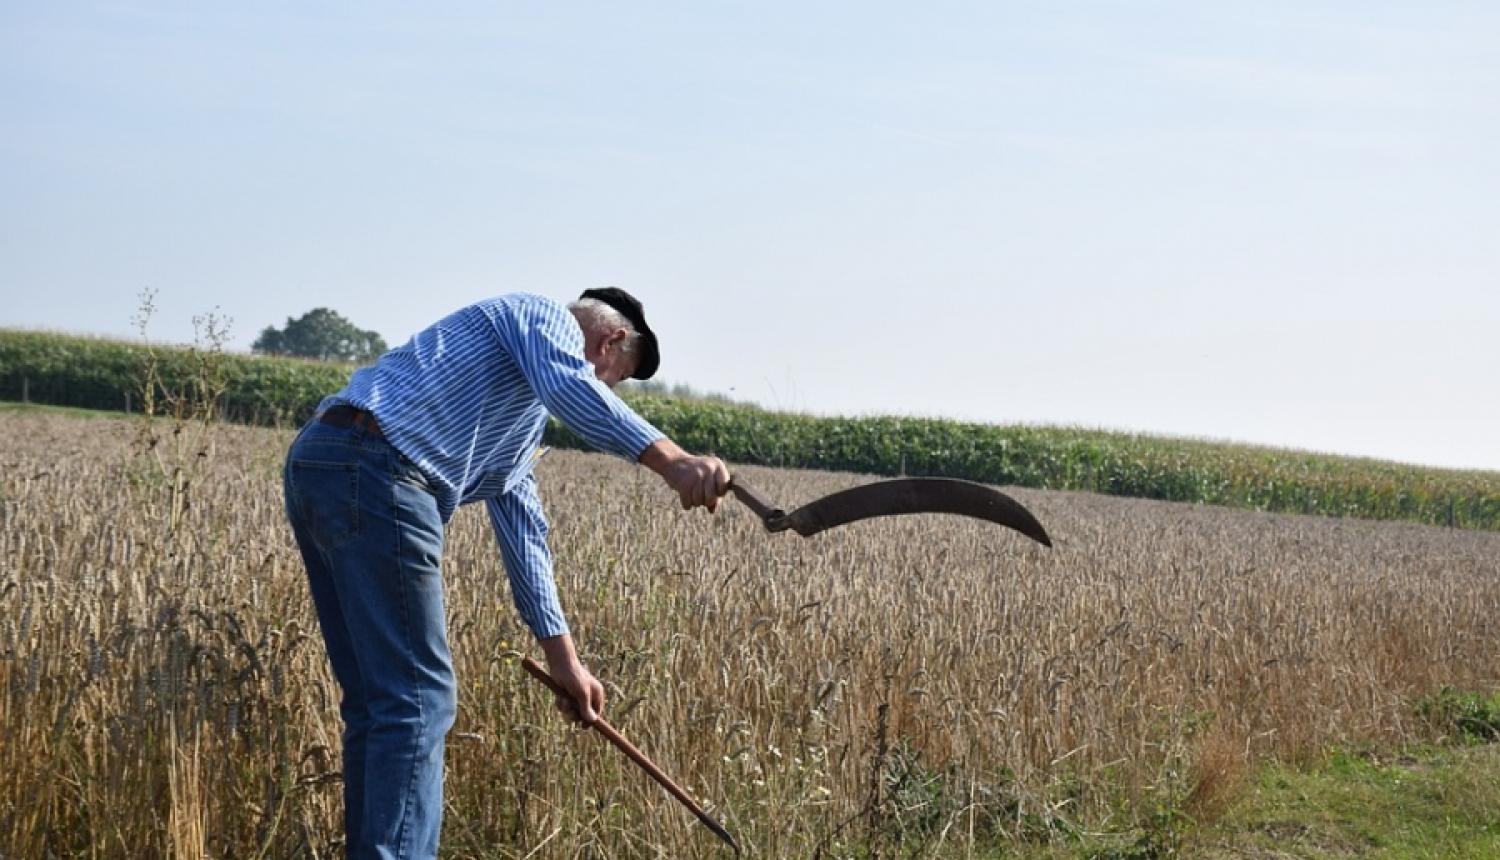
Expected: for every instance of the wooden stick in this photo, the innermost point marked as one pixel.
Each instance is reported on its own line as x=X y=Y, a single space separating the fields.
x=610 y=734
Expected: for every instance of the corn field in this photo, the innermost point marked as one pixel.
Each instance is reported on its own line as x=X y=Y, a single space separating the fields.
x=912 y=687
x=95 y=373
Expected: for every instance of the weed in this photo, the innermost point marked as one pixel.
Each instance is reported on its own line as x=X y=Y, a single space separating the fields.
x=1471 y=717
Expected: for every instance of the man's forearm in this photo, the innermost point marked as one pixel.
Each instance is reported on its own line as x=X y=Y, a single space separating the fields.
x=661 y=454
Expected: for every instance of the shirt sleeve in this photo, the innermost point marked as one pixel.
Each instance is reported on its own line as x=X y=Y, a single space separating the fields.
x=521 y=530
x=547 y=344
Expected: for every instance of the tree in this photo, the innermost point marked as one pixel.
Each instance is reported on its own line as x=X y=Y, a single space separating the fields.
x=322 y=334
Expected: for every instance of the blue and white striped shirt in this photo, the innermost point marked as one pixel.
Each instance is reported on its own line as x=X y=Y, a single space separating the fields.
x=467 y=399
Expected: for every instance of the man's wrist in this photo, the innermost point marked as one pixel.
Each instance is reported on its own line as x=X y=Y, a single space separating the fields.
x=660 y=455
x=559 y=650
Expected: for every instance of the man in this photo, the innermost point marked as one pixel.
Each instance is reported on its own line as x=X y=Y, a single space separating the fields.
x=455 y=416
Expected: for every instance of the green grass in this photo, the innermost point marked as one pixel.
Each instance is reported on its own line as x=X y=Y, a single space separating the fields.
x=1429 y=803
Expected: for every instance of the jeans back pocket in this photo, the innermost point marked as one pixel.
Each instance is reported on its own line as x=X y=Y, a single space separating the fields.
x=327 y=500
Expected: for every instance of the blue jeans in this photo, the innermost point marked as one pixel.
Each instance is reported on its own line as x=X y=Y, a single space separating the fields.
x=372 y=540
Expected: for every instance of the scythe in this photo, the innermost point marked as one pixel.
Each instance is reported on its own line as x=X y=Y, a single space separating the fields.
x=893 y=497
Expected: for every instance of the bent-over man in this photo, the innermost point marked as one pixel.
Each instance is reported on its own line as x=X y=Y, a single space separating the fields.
x=454 y=416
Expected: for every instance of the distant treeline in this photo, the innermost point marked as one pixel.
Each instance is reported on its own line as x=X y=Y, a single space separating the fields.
x=103 y=374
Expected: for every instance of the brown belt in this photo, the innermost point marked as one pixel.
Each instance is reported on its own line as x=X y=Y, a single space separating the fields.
x=345 y=417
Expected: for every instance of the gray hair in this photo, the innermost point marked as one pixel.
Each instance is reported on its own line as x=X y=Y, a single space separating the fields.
x=593 y=313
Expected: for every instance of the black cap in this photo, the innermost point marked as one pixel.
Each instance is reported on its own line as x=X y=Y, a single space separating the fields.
x=631 y=309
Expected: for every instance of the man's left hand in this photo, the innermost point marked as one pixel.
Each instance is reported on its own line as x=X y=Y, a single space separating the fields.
x=586 y=693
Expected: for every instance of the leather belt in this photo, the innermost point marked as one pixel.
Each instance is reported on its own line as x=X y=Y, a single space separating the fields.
x=344 y=417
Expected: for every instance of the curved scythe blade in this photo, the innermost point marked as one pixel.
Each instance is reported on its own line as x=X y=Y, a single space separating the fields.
x=899 y=496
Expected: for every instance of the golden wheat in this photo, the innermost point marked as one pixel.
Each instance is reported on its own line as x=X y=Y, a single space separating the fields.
x=924 y=683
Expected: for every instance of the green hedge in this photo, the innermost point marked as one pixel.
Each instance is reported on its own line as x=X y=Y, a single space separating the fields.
x=93 y=373
x=1064 y=458
x=98 y=374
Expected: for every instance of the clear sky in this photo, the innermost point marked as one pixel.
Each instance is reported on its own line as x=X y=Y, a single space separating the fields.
x=1274 y=222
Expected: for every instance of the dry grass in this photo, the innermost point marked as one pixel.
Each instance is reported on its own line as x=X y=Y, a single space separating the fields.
x=922 y=686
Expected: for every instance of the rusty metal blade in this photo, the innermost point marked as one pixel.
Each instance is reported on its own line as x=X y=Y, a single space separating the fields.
x=916 y=496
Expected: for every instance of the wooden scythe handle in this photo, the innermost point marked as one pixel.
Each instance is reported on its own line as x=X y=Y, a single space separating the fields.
x=610 y=734
x=752 y=498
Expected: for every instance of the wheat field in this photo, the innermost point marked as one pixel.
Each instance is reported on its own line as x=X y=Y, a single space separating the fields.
x=916 y=687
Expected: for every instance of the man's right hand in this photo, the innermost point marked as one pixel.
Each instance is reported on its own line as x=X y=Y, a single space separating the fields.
x=698 y=481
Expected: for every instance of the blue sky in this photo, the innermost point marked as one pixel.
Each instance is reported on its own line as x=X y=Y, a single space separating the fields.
x=1274 y=223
